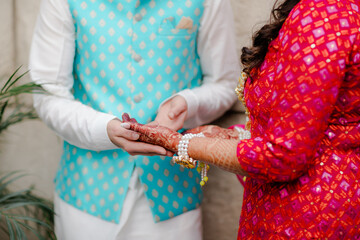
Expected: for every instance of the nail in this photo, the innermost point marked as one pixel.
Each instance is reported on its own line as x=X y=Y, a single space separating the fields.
x=136 y=136
x=125 y=125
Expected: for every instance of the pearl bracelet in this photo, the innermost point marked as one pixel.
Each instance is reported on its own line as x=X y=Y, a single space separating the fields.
x=243 y=134
x=186 y=161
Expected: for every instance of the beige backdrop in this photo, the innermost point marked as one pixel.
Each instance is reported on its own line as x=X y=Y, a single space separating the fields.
x=34 y=149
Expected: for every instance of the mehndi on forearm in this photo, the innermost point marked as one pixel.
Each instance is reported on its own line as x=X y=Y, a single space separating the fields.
x=218 y=152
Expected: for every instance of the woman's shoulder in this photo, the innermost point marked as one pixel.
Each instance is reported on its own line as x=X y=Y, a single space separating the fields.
x=320 y=3
x=309 y=14
x=322 y=8
x=321 y=22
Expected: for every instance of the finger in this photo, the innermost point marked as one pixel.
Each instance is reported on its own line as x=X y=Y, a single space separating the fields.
x=125 y=125
x=135 y=136
x=176 y=110
x=139 y=148
x=153 y=123
x=169 y=154
x=144 y=129
x=146 y=139
x=128 y=134
x=194 y=130
x=144 y=148
x=178 y=106
x=145 y=154
x=125 y=117
x=133 y=120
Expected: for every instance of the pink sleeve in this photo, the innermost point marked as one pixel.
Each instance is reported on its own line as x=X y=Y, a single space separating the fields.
x=315 y=45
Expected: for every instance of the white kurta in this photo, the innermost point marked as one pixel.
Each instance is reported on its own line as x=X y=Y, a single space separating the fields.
x=136 y=222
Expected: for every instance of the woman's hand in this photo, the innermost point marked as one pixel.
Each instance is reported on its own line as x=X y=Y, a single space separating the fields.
x=212 y=131
x=154 y=134
x=120 y=134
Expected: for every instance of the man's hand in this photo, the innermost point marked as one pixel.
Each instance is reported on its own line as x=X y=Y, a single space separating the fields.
x=121 y=135
x=172 y=114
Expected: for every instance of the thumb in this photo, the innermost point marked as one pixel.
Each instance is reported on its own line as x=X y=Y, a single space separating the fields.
x=177 y=108
x=153 y=123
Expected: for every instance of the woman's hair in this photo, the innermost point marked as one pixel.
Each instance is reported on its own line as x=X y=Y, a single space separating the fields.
x=253 y=57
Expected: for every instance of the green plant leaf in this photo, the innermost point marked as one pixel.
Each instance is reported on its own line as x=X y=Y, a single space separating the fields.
x=10 y=228
x=5 y=184
x=25 y=88
x=8 y=93
x=20 y=204
x=14 y=194
x=19 y=231
x=2 y=110
x=34 y=231
x=21 y=210
x=9 y=80
x=7 y=176
x=16 y=117
x=31 y=219
x=11 y=83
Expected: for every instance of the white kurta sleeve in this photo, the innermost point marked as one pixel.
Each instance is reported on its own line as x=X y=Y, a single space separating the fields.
x=51 y=64
x=220 y=65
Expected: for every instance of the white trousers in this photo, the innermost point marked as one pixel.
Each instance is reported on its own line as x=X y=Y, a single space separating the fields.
x=136 y=221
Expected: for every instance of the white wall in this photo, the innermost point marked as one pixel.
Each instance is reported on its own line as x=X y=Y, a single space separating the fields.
x=30 y=146
x=6 y=38
x=33 y=148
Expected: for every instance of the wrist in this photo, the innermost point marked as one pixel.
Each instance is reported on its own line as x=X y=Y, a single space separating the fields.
x=186 y=161
x=183 y=145
x=242 y=133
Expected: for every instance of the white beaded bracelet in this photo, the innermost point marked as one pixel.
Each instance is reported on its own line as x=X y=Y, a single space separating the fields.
x=184 y=160
x=243 y=134
x=184 y=143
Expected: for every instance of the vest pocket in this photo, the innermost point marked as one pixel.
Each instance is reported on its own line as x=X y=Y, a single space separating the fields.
x=168 y=28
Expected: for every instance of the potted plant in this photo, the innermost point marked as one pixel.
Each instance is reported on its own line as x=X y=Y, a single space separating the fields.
x=22 y=214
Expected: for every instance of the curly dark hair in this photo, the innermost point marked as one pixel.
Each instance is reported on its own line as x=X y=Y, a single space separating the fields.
x=253 y=57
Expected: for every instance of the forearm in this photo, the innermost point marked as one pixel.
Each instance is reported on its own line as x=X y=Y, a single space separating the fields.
x=76 y=123
x=51 y=65
x=219 y=64
x=217 y=152
x=213 y=100
x=213 y=131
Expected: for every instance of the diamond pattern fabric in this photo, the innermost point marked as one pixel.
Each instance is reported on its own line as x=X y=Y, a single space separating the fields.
x=304 y=102
x=129 y=57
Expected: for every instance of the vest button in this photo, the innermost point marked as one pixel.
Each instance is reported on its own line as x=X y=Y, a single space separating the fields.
x=138 y=17
x=137 y=57
x=138 y=98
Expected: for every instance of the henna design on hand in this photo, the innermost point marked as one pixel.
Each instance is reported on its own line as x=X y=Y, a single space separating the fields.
x=219 y=147
x=212 y=131
x=126 y=118
x=156 y=135
x=219 y=152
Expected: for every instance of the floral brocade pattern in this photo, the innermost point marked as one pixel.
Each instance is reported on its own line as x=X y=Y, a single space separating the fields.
x=304 y=155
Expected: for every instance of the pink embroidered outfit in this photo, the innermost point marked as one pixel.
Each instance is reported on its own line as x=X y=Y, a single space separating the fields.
x=304 y=155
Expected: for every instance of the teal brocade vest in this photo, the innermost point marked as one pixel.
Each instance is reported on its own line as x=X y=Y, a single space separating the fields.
x=129 y=58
